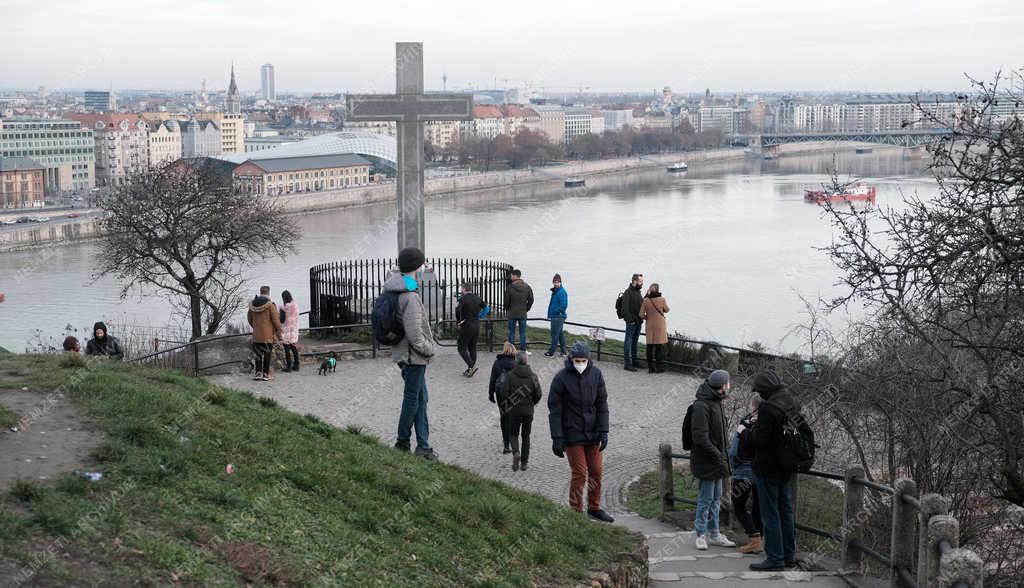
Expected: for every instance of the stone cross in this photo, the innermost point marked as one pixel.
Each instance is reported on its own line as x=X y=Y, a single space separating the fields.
x=409 y=107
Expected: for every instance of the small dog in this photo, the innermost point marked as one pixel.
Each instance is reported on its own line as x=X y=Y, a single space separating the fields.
x=328 y=364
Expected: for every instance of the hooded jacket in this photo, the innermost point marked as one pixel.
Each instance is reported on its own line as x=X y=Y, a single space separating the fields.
x=520 y=392
x=108 y=346
x=632 y=300
x=469 y=308
x=766 y=436
x=417 y=347
x=502 y=364
x=518 y=299
x=708 y=458
x=559 y=303
x=578 y=405
x=264 y=320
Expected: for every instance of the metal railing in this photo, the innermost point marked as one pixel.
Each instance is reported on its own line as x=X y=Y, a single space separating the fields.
x=921 y=528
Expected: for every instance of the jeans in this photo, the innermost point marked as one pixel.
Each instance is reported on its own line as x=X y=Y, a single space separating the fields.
x=709 y=498
x=631 y=344
x=522 y=332
x=468 y=335
x=414 y=407
x=587 y=467
x=520 y=425
x=557 y=334
x=656 y=357
x=742 y=490
x=779 y=520
x=262 y=355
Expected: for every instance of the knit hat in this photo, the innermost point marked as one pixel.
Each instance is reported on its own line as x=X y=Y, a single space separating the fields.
x=557 y=278
x=410 y=259
x=580 y=349
x=766 y=382
x=718 y=379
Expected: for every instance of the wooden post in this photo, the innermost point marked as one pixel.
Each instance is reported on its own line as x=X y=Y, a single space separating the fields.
x=940 y=528
x=931 y=505
x=904 y=526
x=854 y=518
x=666 y=483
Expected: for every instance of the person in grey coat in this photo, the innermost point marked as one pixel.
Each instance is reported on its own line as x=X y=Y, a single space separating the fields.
x=709 y=459
x=413 y=353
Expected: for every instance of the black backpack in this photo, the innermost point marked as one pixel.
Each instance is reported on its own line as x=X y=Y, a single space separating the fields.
x=688 y=429
x=618 y=306
x=387 y=327
x=797 y=451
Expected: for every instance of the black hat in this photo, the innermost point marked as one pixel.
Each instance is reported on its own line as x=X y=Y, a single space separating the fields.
x=766 y=382
x=410 y=259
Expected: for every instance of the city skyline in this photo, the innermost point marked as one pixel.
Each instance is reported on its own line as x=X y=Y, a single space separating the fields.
x=778 y=47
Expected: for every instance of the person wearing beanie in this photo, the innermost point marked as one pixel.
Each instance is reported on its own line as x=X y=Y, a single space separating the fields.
x=774 y=483
x=467 y=316
x=518 y=302
x=413 y=353
x=556 y=315
x=653 y=311
x=578 y=418
x=518 y=394
x=632 y=301
x=71 y=344
x=103 y=344
x=709 y=461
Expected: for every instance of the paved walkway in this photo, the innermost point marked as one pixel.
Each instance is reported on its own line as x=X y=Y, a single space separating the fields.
x=645 y=410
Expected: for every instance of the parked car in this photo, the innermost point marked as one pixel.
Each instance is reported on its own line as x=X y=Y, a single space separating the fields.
x=23 y=219
x=73 y=215
x=40 y=219
x=8 y=221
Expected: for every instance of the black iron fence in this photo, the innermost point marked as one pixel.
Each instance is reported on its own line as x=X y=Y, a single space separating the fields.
x=343 y=292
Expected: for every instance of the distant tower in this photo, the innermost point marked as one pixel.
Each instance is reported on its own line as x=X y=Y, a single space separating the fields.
x=666 y=98
x=267 y=82
x=444 y=81
x=202 y=91
x=234 y=103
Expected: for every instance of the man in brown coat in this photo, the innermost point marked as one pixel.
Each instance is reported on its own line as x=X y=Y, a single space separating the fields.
x=266 y=328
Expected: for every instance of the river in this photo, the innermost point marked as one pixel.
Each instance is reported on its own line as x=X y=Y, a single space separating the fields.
x=733 y=246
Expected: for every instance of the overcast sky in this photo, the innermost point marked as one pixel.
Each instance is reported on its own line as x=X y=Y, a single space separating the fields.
x=327 y=45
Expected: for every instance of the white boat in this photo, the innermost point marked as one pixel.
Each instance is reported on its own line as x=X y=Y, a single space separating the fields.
x=574 y=182
x=679 y=166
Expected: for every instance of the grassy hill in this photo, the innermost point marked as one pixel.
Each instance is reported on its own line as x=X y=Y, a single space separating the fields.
x=306 y=503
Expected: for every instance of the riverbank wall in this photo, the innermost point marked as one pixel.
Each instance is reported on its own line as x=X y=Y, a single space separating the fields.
x=62 y=231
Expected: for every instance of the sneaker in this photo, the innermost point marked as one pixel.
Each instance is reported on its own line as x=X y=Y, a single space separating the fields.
x=549 y=354
x=515 y=462
x=720 y=540
x=465 y=373
x=522 y=466
x=702 y=543
x=473 y=370
x=529 y=352
x=506 y=451
x=766 y=566
x=257 y=376
x=428 y=454
x=755 y=545
x=402 y=446
x=600 y=515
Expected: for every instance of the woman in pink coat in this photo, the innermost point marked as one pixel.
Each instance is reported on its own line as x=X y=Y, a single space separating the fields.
x=290 y=332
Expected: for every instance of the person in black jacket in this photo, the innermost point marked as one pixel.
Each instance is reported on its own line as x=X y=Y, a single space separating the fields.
x=503 y=364
x=516 y=397
x=578 y=417
x=774 y=488
x=709 y=461
x=632 y=300
x=467 y=314
x=103 y=344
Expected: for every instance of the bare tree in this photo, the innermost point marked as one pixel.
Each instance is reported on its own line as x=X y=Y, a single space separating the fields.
x=184 y=230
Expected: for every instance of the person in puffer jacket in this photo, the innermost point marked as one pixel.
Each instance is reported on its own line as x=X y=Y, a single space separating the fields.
x=413 y=353
x=578 y=417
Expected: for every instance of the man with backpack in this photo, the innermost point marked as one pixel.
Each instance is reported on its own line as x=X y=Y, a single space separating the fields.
x=400 y=320
x=773 y=470
x=627 y=306
x=709 y=460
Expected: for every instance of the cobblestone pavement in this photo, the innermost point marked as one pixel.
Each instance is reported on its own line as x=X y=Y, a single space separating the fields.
x=645 y=411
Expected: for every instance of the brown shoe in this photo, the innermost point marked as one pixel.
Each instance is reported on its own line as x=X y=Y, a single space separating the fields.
x=756 y=545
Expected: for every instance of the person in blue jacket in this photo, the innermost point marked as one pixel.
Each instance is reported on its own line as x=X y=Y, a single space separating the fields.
x=556 y=314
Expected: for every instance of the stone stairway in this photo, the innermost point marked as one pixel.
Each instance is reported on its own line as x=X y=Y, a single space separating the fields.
x=674 y=561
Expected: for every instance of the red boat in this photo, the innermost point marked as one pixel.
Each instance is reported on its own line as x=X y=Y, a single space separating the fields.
x=854 y=193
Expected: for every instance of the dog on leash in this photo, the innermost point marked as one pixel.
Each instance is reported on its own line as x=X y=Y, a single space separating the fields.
x=328 y=364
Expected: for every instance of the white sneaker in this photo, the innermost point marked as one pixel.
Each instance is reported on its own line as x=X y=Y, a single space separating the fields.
x=702 y=543
x=720 y=540
x=528 y=352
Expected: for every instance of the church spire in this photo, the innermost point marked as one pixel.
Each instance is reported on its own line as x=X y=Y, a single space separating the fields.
x=232 y=87
x=234 y=103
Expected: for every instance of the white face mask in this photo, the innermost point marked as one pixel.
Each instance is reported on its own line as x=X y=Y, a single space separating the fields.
x=580 y=366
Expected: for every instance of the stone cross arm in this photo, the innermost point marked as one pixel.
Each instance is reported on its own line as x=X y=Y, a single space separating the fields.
x=409 y=107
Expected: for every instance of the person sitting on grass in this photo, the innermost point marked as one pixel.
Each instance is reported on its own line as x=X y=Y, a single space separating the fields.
x=71 y=345
x=103 y=344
